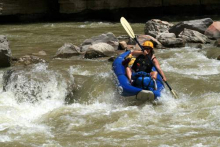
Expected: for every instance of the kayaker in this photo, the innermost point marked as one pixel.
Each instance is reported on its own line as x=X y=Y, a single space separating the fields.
x=142 y=63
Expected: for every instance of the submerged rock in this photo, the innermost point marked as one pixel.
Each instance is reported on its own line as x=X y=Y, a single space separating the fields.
x=28 y=60
x=40 y=53
x=5 y=52
x=37 y=83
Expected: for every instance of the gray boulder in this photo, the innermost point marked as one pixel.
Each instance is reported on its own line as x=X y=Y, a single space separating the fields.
x=99 y=50
x=108 y=38
x=165 y=35
x=5 y=52
x=143 y=38
x=170 y=40
x=193 y=36
x=67 y=50
x=36 y=83
x=155 y=26
x=199 y=25
x=173 y=42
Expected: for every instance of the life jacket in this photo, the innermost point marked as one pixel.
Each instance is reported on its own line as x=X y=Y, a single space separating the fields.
x=129 y=61
x=142 y=64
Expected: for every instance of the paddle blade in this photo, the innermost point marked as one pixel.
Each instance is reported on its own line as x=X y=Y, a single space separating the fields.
x=127 y=27
x=174 y=94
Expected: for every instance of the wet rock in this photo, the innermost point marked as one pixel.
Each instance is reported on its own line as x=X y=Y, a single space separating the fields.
x=111 y=59
x=131 y=41
x=217 y=43
x=199 y=46
x=155 y=26
x=108 y=38
x=143 y=38
x=40 y=53
x=67 y=50
x=165 y=35
x=36 y=83
x=199 y=25
x=28 y=60
x=123 y=45
x=193 y=36
x=90 y=54
x=99 y=50
x=5 y=52
x=123 y=37
x=213 y=31
x=170 y=40
x=218 y=57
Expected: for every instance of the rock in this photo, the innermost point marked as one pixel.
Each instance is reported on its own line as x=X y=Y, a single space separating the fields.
x=123 y=37
x=123 y=45
x=155 y=26
x=217 y=43
x=131 y=41
x=170 y=40
x=199 y=46
x=99 y=50
x=108 y=38
x=36 y=83
x=143 y=38
x=5 y=52
x=213 y=31
x=165 y=35
x=111 y=59
x=218 y=57
x=29 y=59
x=130 y=47
x=40 y=53
x=199 y=25
x=193 y=36
x=90 y=54
x=67 y=50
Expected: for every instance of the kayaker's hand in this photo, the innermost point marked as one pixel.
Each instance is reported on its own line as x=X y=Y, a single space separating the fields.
x=145 y=52
x=164 y=79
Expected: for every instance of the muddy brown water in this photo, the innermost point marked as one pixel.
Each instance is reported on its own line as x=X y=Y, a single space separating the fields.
x=97 y=114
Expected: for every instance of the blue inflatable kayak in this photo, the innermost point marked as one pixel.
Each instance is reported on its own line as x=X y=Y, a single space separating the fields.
x=126 y=89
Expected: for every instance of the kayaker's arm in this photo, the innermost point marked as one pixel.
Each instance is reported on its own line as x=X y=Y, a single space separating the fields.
x=156 y=63
x=136 y=53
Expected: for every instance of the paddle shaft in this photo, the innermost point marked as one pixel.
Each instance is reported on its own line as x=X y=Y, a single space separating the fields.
x=152 y=63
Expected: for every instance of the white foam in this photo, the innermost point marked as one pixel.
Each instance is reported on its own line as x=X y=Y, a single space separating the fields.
x=190 y=62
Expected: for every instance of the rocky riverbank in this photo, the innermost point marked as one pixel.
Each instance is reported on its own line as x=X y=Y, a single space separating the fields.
x=162 y=33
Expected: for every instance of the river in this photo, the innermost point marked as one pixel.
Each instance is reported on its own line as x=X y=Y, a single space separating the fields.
x=35 y=112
